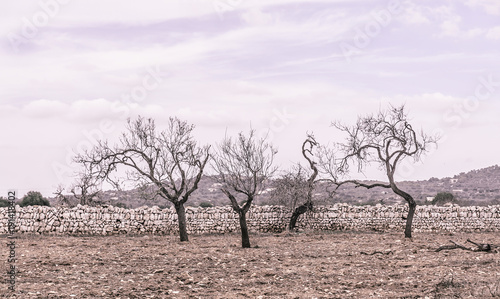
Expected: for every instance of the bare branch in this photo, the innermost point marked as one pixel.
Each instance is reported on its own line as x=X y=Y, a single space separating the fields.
x=169 y=161
x=360 y=184
x=479 y=247
x=61 y=197
x=242 y=166
x=385 y=139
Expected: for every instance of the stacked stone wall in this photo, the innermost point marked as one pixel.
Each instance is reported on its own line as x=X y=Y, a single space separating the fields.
x=113 y=220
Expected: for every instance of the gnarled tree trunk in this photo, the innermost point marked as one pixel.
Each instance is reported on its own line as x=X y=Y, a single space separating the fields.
x=308 y=205
x=245 y=239
x=181 y=217
x=296 y=214
x=412 y=206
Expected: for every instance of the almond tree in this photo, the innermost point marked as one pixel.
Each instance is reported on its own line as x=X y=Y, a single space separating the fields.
x=85 y=190
x=242 y=166
x=169 y=161
x=297 y=184
x=61 y=197
x=385 y=139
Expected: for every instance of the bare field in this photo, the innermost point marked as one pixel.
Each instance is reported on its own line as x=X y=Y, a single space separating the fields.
x=302 y=265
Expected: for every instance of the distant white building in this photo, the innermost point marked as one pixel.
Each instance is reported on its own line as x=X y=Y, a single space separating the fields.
x=430 y=198
x=266 y=191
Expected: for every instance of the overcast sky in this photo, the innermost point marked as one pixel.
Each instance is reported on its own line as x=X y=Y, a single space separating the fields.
x=73 y=71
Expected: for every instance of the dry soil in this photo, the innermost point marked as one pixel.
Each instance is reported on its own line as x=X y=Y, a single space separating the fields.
x=299 y=265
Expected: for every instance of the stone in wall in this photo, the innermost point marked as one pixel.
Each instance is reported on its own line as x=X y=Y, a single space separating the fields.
x=84 y=220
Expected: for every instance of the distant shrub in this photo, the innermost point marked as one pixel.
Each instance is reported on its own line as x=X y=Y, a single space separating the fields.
x=205 y=204
x=120 y=205
x=4 y=203
x=34 y=198
x=494 y=202
x=443 y=197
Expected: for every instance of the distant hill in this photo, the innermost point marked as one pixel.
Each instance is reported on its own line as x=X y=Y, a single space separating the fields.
x=476 y=187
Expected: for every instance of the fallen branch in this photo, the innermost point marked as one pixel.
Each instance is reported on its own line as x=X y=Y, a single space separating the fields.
x=375 y=252
x=480 y=247
x=483 y=247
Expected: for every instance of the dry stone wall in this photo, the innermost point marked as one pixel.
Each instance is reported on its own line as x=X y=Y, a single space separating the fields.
x=113 y=220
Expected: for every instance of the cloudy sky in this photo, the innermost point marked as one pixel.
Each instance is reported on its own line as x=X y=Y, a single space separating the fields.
x=72 y=71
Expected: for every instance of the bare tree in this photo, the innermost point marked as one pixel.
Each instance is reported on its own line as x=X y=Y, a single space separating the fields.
x=385 y=139
x=298 y=184
x=86 y=190
x=242 y=166
x=169 y=161
x=62 y=198
x=290 y=188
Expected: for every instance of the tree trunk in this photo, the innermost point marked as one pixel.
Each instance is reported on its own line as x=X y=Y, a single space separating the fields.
x=296 y=214
x=181 y=217
x=245 y=239
x=412 y=206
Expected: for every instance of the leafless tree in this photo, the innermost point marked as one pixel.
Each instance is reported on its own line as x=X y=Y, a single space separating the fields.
x=298 y=184
x=242 y=166
x=86 y=189
x=290 y=188
x=62 y=198
x=385 y=139
x=169 y=161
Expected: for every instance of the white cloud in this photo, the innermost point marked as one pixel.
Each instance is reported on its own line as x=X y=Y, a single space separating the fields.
x=415 y=14
x=450 y=27
x=45 y=109
x=8 y=111
x=83 y=111
x=450 y=22
x=490 y=6
x=256 y=17
x=421 y=102
x=471 y=33
x=93 y=109
x=94 y=13
x=493 y=33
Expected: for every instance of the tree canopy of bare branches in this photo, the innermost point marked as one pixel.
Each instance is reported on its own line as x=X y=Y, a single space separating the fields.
x=242 y=165
x=62 y=198
x=85 y=190
x=297 y=184
x=385 y=139
x=290 y=187
x=169 y=161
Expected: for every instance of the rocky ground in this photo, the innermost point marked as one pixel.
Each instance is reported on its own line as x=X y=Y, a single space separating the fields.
x=302 y=265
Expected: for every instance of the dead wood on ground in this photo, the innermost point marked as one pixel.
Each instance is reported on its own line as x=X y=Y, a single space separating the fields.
x=375 y=252
x=479 y=247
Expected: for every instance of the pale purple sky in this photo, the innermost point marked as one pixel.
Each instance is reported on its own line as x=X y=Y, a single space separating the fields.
x=72 y=71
